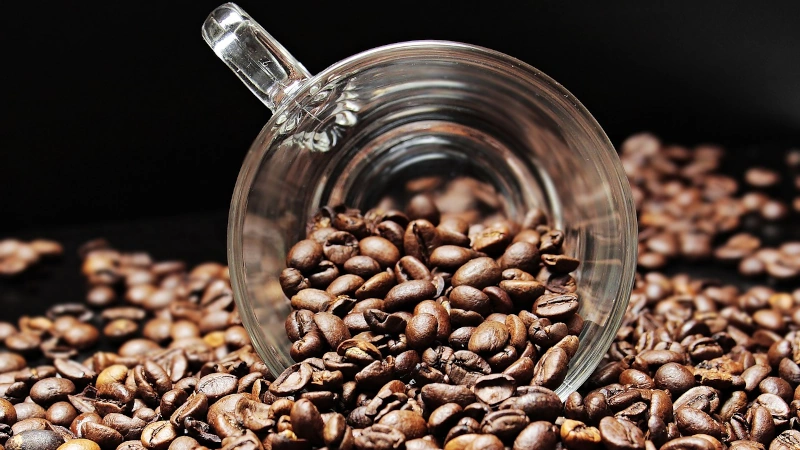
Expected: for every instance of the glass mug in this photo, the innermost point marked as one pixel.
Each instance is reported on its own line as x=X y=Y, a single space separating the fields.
x=427 y=110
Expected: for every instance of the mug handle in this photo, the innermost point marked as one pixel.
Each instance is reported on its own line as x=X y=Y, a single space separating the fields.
x=261 y=62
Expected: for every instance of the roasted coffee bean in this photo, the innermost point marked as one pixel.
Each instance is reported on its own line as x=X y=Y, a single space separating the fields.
x=577 y=435
x=158 y=435
x=409 y=268
x=361 y=265
x=539 y=435
x=61 y=413
x=478 y=273
x=51 y=390
x=35 y=440
x=619 y=434
x=489 y=337
x=380 y=249
x=421 y=330
x=28 y=410
x=538 y=404
x=556 y=306
x=551 y=369
x=306 y=421
x=406 y=295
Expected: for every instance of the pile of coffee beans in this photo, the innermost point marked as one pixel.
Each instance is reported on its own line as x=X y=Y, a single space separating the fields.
x=16 y=256
x=431 y=327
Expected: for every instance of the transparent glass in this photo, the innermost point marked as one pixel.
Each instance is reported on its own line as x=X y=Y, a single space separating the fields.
x=377 y=120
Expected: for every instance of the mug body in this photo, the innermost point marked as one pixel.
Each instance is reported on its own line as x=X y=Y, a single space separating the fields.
x=415 y=117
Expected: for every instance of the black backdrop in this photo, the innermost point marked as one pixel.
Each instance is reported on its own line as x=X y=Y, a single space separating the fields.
x=119 y=110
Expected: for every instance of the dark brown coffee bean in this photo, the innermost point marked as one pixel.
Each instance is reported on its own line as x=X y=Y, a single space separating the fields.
x=393 y=232
x=522 y=293
x=51 y=390
x=409 y=268
x=420 y=239
x=478 y=273
x=35 y=440
x=695 y=421
x=383 y=323
x=128 y=427
x=158 y=435
x=332 y=328
x=421 y=331
x=410 y=423
x=304 y=255
x=379 y=249
x=494 y=389
x=539 y=435
x=422 y=206
x=292 y=379
x=560 y=263
x=339 y=247
x=470 y=299
x=691 y=443
x=406 y=295
x=362 y=265
x=520 y=255
x=314 y=300
x=556 y=306
x=377 y=286
x=539 y=403
x=195 y=406
x=492 y=240
x=450 y=257
x=551 y=369
x=379 y=437
x=306 y=421
x=620 y=434
x=346 y=284
x=438 y=394
x=293 y=281
x=489 y=337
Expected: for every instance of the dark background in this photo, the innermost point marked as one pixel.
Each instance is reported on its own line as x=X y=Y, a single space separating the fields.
x=118 y=112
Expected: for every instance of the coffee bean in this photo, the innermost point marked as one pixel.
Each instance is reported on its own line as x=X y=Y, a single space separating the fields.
x=470 y=299
x=79 y=444
x=306 y=421
x=788 y=440
x=408 y=294
x=411 y=424
x=421 y=330
x=409 y=268
x=420 y=239
x=539 y=435
x=556 y=306
x=379 y=249
x=304 y=255
x=158 y=435
x=620 y=434
x=437 y=394
x=195 y=406
x=362 y=265
x=488 y=337
x=51 y=390
x=35 y=440
x=577 y=435
x=450 y=257
x=494 y=389
x=478 y=273
x=332 y=328
x=551 y=369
